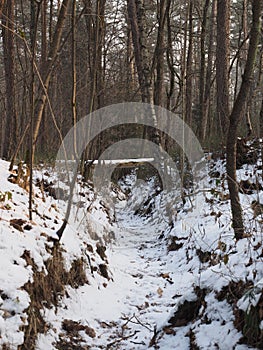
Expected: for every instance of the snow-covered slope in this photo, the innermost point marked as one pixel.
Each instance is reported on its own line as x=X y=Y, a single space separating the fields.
x=168 y=275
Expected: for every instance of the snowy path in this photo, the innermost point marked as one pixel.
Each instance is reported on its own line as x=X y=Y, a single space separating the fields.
x=126 y=311
x=145 y=285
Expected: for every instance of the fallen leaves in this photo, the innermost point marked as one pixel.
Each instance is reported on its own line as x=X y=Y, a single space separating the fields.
x=160 y=292
x=74 y=327
x=18 y=224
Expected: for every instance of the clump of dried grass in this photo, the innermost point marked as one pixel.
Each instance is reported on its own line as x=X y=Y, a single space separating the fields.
x=47 y=289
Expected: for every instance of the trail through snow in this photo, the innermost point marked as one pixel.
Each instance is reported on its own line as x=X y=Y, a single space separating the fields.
x=147 y=283
x=127 y=312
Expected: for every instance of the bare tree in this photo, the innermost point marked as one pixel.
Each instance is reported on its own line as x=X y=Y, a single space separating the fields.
x=202 y=71
x=136 y=13
x=209 y=76
x=73 y=71
x=237 y=113
x=222 y=64
x=47 y=70
x=11 y=125
x=1 y=6
x=189 y=63
x=162 y=10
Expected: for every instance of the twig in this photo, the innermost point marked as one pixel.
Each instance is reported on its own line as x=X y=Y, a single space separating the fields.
x=121 y=339
x=153 y=340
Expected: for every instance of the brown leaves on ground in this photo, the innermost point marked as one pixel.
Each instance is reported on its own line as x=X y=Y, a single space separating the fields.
x=73 y=327
x=19 y=224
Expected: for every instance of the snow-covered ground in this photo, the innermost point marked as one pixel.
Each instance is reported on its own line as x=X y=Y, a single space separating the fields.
x=172 y=257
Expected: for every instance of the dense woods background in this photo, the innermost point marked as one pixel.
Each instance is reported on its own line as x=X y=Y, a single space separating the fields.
x=89 y=54
x=61 y=60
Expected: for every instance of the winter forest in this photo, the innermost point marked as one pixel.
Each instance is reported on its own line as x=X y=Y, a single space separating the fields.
x=131 y=174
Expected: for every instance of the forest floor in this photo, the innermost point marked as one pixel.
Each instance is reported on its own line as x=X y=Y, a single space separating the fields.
x=129 y=279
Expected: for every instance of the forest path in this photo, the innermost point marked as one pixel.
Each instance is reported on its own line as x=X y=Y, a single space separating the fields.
x=144 y=288
x=127 y=310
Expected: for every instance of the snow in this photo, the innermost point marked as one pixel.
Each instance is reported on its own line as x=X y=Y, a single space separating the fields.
x=147 y=282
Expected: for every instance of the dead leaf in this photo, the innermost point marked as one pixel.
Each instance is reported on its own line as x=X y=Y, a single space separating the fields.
x=225 y=259
x=17 y=224
x=169 y=330
x=90 y=332
x=160 y=292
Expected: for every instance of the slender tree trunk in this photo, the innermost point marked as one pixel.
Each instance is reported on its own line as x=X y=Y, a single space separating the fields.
x=34 y=14
x=50 y=26
x=235 y=117
x=130 y=71
x=189 y=71
x=1 y=6
x=202 y=70
x=209 y=71
x=44 y=128
x=261 y=124
x=11 y=126
x=170 y=59
x=132 y=13
x=73 y=72
x=101 y=41
x=222 y=65
x=47 y=70
x=159 y=54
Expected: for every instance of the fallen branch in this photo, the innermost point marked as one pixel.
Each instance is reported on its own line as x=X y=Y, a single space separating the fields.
x=121 y=339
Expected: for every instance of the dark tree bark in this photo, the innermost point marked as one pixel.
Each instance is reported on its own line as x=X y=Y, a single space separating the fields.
x=159 y=55
x=44 y=46
x=130 y=68
x=189 y=70
x=202 y=71
x=237 y=113
x=11 y=125
x=136 y=13
x=73 y=71
x=222 y=64
x=209 y=72
x=46 y=71
x=170 y=58
x=1 y=6
x=261 y=123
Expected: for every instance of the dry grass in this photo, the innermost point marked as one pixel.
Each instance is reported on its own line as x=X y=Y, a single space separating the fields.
x=46 y=290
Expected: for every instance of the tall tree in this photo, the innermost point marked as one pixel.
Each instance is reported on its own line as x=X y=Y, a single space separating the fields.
x=237 y=113
x=222 y=64
x=202 y=71
x=46 y=71
x=73 y=70
x=162 y=10
x=136 y=13
x=1 y=6
x=170 y=58
x=11 y=125
x=189 y=68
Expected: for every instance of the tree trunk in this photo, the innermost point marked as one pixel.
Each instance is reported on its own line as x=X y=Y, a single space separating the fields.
x=1 y=6
x=237 y=113
x=222 y=65
x=47 y=70
x=202 y=79
x=44 y=129
x=170 y=58
x=130 y=69
x=136 y=12
x=159 y=55
x=189 y=72
x=11 y=125
x=73 y=73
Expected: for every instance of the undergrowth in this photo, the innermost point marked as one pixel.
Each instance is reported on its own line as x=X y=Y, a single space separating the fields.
x=47 y=289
